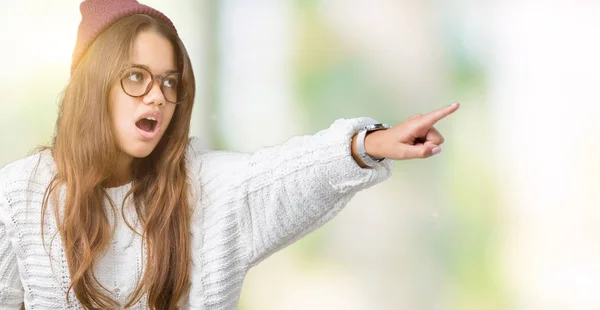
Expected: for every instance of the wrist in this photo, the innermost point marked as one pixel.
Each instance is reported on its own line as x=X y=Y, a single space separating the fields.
x=372 y=144
x=366 y=145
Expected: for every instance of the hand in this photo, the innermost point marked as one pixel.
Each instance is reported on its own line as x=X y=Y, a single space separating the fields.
x=414 y=138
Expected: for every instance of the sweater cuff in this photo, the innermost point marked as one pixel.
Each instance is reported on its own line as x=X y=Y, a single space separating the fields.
x=354 y=177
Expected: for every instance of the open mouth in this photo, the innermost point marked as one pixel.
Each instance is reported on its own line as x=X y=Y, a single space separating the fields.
x=146 y=124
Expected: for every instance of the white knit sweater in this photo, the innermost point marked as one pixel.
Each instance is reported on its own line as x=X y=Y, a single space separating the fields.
x=251 y=205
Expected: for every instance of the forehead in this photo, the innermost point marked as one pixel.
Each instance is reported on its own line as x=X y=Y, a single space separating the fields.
x=153 y=50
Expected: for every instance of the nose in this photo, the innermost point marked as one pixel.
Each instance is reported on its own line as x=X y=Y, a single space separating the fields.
x=155 y=95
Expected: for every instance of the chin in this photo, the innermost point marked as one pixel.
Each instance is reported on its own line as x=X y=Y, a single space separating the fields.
x=141 y=152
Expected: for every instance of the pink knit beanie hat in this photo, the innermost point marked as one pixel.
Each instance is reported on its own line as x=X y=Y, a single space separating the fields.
x=97 y=15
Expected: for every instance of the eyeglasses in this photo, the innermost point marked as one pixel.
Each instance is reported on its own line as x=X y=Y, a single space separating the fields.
x=137 y=82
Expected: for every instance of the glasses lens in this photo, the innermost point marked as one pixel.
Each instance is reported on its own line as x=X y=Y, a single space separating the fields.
x=135 y=81
x=171 y=87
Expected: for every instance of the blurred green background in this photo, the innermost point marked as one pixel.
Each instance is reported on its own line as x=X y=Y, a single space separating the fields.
x=504 y=218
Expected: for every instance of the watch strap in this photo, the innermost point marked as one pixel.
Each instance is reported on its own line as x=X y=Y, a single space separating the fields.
x=360 y=144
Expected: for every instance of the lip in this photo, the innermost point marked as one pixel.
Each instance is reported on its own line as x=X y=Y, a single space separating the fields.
x=153 y=134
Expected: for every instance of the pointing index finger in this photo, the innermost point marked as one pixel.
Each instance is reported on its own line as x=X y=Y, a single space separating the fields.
x=432 y=117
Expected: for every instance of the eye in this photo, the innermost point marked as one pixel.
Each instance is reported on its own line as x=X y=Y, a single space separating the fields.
x=135 y=76
x=170 y=82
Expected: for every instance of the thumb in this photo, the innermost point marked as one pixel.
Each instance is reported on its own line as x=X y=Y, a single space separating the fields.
x=422 y=150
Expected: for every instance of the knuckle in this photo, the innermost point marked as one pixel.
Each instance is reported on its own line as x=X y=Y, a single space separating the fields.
x=414 y=126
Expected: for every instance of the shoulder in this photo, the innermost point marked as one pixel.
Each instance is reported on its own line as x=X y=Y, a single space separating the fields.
x=217 y=174
x=34 y=169
x=24 y=167
x=209 y=163
x=195 y=147
x=22 y=182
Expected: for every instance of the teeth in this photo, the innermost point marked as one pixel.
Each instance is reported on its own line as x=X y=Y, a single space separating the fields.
x=151 y=118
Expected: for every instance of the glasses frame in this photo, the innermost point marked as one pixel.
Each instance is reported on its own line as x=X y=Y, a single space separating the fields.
x=155 y=77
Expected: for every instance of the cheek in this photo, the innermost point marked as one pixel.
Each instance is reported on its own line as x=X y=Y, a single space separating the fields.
x=169 y=111
x=120 y=109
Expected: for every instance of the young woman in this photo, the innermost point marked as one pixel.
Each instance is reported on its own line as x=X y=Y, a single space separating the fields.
x=124 y=210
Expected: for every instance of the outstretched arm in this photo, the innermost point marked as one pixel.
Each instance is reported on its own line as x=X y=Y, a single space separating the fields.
x=255 y=204
x=281 y=193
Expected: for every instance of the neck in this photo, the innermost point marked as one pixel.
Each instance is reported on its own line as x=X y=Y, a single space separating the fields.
x=122 y=174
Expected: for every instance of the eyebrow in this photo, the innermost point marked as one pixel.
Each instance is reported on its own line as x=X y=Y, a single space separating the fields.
x=148 y=68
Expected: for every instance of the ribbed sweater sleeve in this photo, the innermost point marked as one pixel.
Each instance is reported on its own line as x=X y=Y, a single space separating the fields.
x=11 y=290
x=287 y=191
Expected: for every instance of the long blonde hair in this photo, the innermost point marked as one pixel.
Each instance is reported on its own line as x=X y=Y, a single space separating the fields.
x=85 y=151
